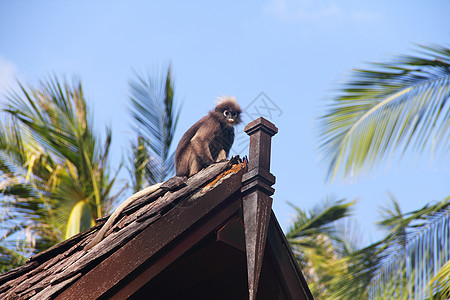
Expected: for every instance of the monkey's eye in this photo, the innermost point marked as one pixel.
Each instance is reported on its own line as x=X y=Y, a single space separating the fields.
x=225 y=113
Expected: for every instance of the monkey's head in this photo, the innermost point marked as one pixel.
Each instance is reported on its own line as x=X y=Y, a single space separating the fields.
x=228 y=111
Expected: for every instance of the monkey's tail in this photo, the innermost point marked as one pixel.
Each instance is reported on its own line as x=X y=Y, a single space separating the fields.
x=112 y=218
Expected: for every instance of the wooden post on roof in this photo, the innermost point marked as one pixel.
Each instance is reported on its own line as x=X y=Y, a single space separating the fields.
x=256 y=201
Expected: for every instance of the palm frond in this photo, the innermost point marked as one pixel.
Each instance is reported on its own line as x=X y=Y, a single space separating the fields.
x=316 y=242
x=10 y=259
x=75 y=219
x=156 y=117
x=419 y=243
x=402 y=105
x=401 y=264
x=139 y=160
x=319 y=219
x=439 y=285
x=54 y=161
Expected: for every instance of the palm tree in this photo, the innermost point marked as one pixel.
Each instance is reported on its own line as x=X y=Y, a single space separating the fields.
x=402 y=105
x=317 y=242
x=155 y=119
x=400 y=265
x=56 y=178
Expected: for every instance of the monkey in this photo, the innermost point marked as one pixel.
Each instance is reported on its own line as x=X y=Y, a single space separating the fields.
x=206 y=142
x=209 y=140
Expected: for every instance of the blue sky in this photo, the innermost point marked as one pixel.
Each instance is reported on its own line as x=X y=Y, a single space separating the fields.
x=296 y=52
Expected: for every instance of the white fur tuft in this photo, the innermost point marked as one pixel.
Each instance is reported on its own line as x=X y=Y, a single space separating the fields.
x=226 y=98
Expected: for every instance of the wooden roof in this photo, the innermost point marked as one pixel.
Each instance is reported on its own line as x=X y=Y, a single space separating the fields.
x=48 y=273
x=184 y=240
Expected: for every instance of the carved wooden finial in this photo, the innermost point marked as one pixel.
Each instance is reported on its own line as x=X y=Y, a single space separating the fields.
x=256 y=201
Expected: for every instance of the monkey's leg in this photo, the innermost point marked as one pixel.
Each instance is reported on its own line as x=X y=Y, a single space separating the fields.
x=194 y=167
x=222 y=156
x=201 y=149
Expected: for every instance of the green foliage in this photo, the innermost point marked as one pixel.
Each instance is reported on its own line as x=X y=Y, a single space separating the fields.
x=55 y=178
x=439 y=285
x=155 y=117
x=398 y=266
x=55 y=170
x=10 y=259
x=317 y=243
x=400 y=105
x=139 y=160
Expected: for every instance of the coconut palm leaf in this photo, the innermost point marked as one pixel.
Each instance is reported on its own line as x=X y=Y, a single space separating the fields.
x=156 y=117
x=420 y=249
x=402 y=105
x=10 y=259
x=20 y=200
x=319 y=219
x=139 y=159
x=439 y=285
x=317 y=243
x=400 y=265
x=56 y=167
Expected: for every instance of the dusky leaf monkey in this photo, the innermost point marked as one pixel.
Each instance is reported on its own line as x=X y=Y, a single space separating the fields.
x=206 y=142
x=209 y=140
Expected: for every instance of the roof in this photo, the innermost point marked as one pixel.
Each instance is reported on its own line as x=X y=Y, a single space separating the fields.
x=49 y=272
x=186 y=238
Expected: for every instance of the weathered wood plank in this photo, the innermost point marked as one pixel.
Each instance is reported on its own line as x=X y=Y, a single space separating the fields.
x=103 y=248
x=17 y=272
x=63 y=246
x=50 y=291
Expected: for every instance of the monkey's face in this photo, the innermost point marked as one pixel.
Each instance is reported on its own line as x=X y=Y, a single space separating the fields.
x=228 y=111
x=232 y=117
